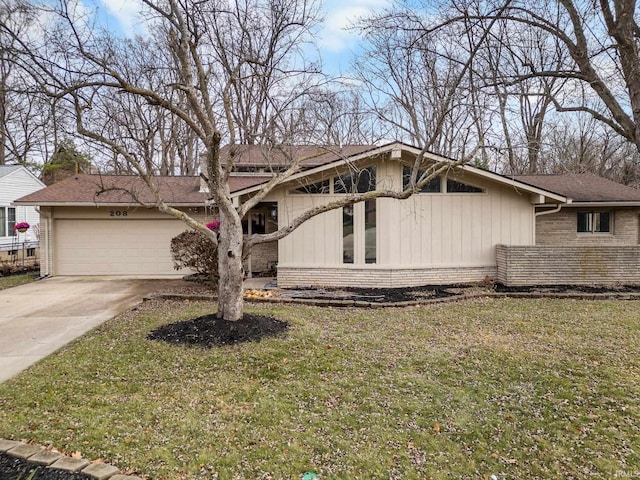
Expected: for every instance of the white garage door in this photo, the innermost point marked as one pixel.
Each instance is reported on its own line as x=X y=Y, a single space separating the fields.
x=115 y=247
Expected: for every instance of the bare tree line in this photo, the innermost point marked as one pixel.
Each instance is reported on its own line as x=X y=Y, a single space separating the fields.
x=553 y=85
x=505 y=81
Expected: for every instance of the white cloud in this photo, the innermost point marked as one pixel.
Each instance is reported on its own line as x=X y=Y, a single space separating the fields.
x=335 y=36
x=127 y=14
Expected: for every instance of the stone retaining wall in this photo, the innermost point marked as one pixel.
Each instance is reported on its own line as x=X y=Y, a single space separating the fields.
x=568 y=265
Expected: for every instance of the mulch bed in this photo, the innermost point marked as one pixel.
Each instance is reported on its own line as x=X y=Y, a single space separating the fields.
x=568 y=289
x=209 y=331
x=379 y=295
x=12 y=468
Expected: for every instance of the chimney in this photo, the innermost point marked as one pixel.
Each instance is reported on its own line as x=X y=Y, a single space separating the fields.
x=204 y=172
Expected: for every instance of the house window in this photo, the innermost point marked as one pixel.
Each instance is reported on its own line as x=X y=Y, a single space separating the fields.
x=370 y=231
x=7 y=221
x=31 y=252
x=356 y=182
x=458 y=187
x=432 y=186
x=594 y=222
x=347 y=234
x=359 y=233
x=314 y=188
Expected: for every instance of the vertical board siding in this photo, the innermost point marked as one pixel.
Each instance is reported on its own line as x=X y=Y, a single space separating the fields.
x=425 y=230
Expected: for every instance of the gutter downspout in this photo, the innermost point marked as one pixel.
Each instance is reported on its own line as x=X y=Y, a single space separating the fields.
x=539 y=214
x=548 y=212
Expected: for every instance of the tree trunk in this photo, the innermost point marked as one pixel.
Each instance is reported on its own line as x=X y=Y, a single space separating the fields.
x=230 y=301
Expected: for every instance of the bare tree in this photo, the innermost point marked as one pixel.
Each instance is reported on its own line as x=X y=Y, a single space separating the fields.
x=524 y=107
x=425 y=84
x=581 y=144
x=27 y=120
x=597 y=51
x=335 y=116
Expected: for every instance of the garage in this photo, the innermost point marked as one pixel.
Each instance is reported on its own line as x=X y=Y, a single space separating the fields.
x=115 y=247
x=111 y=224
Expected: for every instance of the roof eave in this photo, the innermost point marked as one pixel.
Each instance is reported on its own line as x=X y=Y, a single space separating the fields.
x=615 y=203
x=104 y=204
x=431 y=156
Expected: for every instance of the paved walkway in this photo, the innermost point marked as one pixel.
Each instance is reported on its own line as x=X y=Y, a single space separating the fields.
x=38 y=318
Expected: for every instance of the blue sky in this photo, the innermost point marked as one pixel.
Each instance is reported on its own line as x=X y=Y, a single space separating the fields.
x=336 y=44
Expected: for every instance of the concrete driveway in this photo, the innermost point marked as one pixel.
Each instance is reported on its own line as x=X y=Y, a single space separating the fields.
x=38 y=318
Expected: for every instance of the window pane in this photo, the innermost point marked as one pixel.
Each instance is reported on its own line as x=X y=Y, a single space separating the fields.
x=366 y=180
x=370 y=231
x=432 y=186
x=343 y=184
x=356 y=182
x=583 y=221
x=347 y=234
x=459 y=187
x=3 y=222
x=601 y=222
x=314 y=188
x=11 y=217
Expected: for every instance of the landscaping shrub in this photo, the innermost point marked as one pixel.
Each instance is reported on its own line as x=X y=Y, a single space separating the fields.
x=195 y=251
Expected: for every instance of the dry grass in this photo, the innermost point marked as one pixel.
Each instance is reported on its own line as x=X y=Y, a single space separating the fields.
x=511 y=388
x=15 y=280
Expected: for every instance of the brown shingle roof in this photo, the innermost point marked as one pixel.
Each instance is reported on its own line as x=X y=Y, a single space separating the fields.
x=258 y=156
x=114 y=189
x=583 y=187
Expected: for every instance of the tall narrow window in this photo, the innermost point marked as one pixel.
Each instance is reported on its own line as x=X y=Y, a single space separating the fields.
x=347 y=234
x=11 y=221
x=3 y=222
x=370 y=231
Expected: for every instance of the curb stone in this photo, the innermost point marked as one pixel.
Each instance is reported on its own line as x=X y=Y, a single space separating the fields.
x=39 y=456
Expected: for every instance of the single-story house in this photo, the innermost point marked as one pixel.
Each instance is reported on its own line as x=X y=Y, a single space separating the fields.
x=450 y=232
x=15 y=182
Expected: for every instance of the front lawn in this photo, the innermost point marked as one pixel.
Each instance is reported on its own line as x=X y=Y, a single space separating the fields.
x=512 y=388
x=15 y=280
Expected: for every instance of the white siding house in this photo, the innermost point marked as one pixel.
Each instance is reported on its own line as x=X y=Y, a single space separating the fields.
x=15 y=182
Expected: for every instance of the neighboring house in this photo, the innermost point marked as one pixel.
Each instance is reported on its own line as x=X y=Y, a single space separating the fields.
x=459 y=229
x=15 y=182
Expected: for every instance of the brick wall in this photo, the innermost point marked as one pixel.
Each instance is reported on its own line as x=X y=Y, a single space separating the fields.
x=568 y=265
x=561 y=229
x=263 y=256
x=289 y=277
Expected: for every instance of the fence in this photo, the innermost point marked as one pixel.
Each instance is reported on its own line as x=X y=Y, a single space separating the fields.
x=17 y=253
